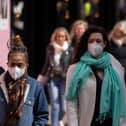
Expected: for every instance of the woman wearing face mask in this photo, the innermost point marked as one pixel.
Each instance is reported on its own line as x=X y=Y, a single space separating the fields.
x=95 y=84
x=22 y=99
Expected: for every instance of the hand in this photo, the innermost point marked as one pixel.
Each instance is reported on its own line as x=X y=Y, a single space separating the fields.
x=43 y=79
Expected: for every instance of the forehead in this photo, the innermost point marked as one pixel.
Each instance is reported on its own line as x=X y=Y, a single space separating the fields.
x=117 y=29
x=79 y=26
x=17 y=58
x=60 y=33
x=96 y=36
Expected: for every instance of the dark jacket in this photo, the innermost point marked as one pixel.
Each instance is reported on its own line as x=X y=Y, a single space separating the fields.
x=35 y=110
x=119 y=53
x=1 y=70
x=49 y=65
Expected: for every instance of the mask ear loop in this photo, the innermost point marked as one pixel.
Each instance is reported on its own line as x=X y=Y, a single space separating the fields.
x=8 y=44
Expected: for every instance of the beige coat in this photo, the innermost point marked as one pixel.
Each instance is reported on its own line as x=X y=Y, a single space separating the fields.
x=80 y=112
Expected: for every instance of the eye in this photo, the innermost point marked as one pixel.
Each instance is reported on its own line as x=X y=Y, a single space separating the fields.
x=99 y=40
x=12 y=64
x=19 y=65
x=90 y=41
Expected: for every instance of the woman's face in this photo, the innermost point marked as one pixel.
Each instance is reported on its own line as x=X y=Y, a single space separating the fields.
x=118 y=37
x=117 y=33
x=96 y=37
x=60 y=37
x=96 y=44
x=17 y=60
x=79 y=30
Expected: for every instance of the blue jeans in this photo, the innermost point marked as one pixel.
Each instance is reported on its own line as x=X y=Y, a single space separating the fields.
x=57 y=99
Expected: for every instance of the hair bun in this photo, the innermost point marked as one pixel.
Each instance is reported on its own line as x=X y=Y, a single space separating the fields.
x=17 y=37
x=16 y=44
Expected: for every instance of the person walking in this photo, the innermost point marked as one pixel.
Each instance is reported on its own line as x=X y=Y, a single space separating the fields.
x=22 y=98
x=95 y=84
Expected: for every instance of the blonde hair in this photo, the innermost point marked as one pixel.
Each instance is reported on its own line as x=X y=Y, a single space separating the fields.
x=58 y=29
x=121 y=25
x=77 y=22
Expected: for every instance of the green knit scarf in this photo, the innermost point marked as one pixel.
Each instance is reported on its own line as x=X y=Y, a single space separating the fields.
x=112 y=94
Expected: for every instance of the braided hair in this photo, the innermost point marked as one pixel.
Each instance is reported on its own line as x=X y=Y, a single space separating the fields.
x=16 y=45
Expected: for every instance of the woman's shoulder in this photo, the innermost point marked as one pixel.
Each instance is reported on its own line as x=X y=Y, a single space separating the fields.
x=71 y=69
x=50 y=48
x=115 y=63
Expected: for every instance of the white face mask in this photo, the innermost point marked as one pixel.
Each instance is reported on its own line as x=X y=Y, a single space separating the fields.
x=16 y=72
x=95 y=49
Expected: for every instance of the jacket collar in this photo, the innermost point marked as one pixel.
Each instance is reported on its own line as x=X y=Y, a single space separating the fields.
x=4 y=88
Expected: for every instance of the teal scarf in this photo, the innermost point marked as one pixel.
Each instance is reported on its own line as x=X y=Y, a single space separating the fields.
x=112 y=95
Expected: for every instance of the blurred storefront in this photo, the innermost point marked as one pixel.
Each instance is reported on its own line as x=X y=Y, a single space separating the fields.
x=4 y=31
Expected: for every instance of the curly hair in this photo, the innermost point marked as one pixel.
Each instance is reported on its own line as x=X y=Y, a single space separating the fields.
x=82 y=46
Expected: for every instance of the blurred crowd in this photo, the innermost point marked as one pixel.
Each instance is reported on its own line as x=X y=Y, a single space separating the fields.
x=61 y=52
x=82 y=80
x=84 y=44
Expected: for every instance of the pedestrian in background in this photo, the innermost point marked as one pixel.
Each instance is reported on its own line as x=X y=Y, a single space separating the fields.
x=58 y=58
x=117 y=38
x=77 y=30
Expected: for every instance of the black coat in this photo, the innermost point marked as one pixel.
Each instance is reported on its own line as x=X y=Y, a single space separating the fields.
x=119 y=53
x=1 y=70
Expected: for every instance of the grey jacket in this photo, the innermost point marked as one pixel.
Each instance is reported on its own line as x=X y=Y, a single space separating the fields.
x=80 y=112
